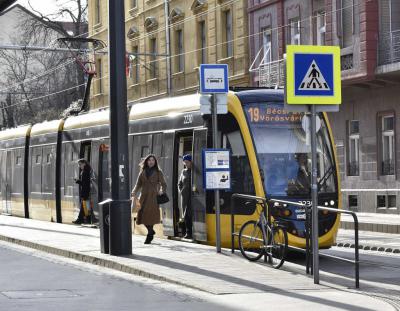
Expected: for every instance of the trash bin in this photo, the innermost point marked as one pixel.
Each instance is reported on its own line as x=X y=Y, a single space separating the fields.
x=104 y=223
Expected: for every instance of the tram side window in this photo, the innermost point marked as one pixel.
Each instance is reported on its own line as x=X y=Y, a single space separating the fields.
x=241 y=176
x=36 y=170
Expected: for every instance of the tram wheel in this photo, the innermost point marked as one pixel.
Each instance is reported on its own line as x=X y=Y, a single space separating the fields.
x=251 y=241
x=277 y=246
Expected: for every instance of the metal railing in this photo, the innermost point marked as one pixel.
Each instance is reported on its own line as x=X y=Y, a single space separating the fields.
x=308 y=236
x=389 y=48
x=308 y=226
x=272 y=74
x=353 y=168
x=388 y=167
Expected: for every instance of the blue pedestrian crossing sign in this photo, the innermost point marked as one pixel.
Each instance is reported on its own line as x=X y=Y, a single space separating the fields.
x=313 y=75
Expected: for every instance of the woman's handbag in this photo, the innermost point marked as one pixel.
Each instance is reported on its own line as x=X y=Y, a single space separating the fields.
x=162 y=198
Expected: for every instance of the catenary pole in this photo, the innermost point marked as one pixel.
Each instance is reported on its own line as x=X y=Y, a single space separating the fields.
x=120 y=210
x=314 y=195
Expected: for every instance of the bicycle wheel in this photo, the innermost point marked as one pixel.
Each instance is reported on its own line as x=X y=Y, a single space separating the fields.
x=277 y=246
x=251 y=242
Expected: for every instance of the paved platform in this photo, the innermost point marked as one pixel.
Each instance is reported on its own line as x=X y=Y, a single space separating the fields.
x=191 y=265
x=374 y=222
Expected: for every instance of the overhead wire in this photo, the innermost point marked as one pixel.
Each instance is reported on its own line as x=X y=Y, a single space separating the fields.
x=194 y=51
x=68 y=62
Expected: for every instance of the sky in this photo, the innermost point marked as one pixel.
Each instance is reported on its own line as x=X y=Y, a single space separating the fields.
x=46 y=6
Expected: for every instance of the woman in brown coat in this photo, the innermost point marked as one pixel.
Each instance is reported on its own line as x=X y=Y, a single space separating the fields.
x=150 y=183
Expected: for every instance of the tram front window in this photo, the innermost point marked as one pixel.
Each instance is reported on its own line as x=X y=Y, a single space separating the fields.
x=284 y=152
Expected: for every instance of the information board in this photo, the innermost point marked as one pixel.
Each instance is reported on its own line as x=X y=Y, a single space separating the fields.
x=216 y=169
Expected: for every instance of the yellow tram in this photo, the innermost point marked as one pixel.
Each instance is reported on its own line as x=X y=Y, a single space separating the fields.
x=270 y=157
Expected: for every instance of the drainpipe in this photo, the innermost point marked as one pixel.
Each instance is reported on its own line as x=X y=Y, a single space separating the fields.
x=167 y=46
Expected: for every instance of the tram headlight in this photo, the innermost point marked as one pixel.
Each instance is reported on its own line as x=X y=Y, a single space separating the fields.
x=332 y=202
x=326 y=203
x=287 y=212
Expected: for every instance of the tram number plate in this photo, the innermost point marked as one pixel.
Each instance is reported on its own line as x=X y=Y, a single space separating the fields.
x=188 y=119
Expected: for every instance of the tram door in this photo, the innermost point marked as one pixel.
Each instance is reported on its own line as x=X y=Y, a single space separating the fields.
x=198 y=193
x=167 y=164
x=104 y=169
x=8 y=184
x=2 y=179
x=86 y=153
x=5 y=175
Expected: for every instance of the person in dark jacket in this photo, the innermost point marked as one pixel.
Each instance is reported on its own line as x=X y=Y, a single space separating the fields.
x=185 y=189
x=149 y=184
x=84 y=183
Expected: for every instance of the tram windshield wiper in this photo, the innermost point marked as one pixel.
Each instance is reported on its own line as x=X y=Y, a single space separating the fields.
x=322 y=182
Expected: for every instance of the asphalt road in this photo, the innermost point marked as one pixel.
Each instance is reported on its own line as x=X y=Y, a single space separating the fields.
x=31 y=283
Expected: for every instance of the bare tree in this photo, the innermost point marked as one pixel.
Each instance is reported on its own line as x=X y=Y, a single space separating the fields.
x=30 y=77
x=76 y=11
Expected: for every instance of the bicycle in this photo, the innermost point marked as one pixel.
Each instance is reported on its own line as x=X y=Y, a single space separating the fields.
x=261 y=237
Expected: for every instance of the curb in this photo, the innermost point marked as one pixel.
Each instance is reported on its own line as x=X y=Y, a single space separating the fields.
x=99 y=262
x=371 y=227
x=369 y=247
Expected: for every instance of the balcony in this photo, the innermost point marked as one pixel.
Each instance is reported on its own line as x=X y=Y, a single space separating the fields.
x=388 y=167
x=272 y=74
x=269 y=73
x=389 y=48
x=353 y=169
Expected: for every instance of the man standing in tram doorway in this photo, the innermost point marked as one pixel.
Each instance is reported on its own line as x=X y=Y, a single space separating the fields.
x=185 y=189
x=84 y=182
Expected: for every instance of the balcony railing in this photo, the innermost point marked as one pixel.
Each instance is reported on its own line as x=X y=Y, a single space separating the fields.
x=388 y=167
x=389 y=48
x=353 y=169
x=270 y=73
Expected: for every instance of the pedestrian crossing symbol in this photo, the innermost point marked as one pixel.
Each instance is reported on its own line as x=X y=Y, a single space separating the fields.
x=313 y=75
x=314 y=80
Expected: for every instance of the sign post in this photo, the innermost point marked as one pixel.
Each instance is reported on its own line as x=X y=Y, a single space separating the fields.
x=214 y=80
x=313 y=84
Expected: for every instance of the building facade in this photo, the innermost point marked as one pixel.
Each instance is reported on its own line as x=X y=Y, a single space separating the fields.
x=168 y=40
x=365 y=129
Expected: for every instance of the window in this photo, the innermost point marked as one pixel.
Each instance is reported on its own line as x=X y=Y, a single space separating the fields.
x=353 y=202
x=354 y=148
x=145 y=151
x=387 y=145
x=320 y=28
x=133 y=4
x=347 y=23
x=294 y=31
x=153 y=57
x=228 y=33
x=48 y=158
x=97 y=13
x=392 y=201
x=381 y=201
x=266 y=44
x=134 y=66
x=202 y=43
x=180 y=57
x=99 y=71
x=38 y=159
x=18 y=160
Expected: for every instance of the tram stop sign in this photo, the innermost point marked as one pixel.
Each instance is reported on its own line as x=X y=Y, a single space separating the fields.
x=313 y=77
